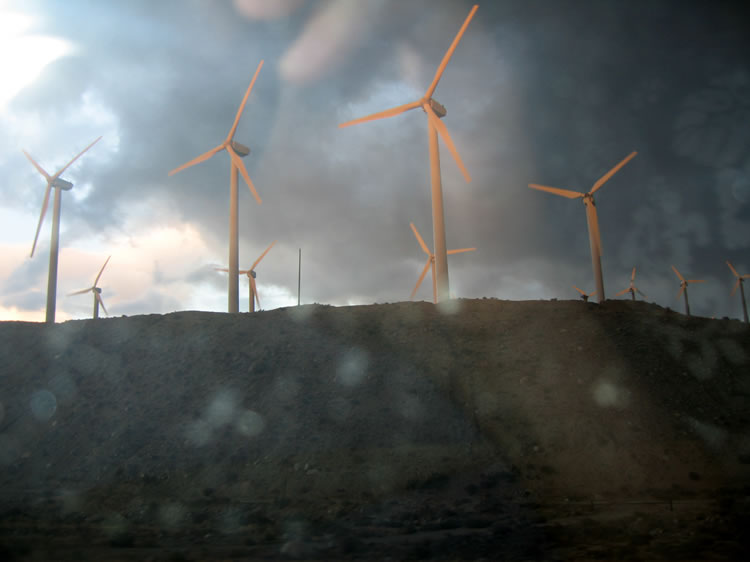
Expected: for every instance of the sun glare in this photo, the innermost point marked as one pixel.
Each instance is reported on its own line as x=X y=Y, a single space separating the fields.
x=23 y=55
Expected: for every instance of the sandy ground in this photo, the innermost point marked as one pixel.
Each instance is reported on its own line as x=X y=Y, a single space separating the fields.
x=479 y=429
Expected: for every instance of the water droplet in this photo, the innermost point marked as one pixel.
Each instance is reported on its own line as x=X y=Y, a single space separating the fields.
x=43 y=404
x=250 y=423
x=352 y=369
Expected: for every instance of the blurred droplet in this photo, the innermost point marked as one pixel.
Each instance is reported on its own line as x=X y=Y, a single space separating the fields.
x=43 y=404
x=198 y=433
x=221 y=408
x=449 y=306
x=9 y=450
x=172 y=516
x=607 y=395
x=352 y=369
x=63 y=387
x=250 y=423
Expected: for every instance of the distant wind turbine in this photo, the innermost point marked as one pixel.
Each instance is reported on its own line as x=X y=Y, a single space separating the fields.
x=236 y=152
x=251 y=278
x=59 y=184
x=740 y=283
x=683 y=288
x=593 y=222
x=632 y=289
x=97 y=292
x=434 y=112
x=584 y=295
x=430 y=264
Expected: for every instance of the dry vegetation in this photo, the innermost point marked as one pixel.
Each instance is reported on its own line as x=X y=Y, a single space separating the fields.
x=484 y=428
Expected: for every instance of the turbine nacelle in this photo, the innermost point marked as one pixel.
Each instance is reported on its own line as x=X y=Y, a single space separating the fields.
x=60 y=183
x=438 y=108
x=240 y=149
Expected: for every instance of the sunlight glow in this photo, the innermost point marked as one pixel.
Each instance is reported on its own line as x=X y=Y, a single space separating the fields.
x=23 y=56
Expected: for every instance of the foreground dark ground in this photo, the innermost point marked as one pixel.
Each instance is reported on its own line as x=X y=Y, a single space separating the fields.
x=485 y=429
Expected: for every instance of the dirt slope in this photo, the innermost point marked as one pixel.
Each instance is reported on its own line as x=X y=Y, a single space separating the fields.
x=325 y=411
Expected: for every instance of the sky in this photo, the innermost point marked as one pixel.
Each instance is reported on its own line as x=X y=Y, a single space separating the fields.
x=536 y=92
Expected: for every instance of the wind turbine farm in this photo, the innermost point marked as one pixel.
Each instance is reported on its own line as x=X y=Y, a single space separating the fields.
x=435 y=112
x=493 y=414
x=59 y=185
x=236 y=152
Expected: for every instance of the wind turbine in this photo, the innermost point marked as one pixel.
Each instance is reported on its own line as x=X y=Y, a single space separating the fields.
x=591 y=218
x=585 y=296
x=431 y=264
x=434 y=112
x=97 y=292
x=251 y=277
x=236 y=152
x=59 y=184
x=683 y=288
x=740 y=283
x=632 y=289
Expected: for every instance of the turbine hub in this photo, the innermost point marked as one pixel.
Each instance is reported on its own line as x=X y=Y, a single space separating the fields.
x=252 y=272
x=438 y=108
x=98 y=290
x=60 y=183
x=240 y=149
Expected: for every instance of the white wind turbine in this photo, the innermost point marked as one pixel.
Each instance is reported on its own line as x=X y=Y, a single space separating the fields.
x=683 y=288
x=97 y=292
x=584 y=295
x=59 y=184
x=740 y=283
x=430 y=264
x=434 y=112
x=593 y=222
x=251 y=278
x=236 y=152
x=632 y=289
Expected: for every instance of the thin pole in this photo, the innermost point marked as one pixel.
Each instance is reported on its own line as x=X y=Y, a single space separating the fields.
x=96 y=306
x=438 y=217
x=742 y=292
x=53 y=253
x=234 y=267
x=299 y=275
x=687 y=305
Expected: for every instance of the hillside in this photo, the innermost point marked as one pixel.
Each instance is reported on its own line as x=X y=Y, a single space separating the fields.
x=491 y=428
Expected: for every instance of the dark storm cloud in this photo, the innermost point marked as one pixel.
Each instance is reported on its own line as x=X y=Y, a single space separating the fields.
x=555 y=94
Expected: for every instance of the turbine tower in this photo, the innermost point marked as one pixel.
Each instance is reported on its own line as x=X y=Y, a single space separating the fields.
x=60 y=185
x=740 y=283
x=591 y=218
x=632 y=289
x=430 y=264
x=683 y=288
x=236 y=152
x=97 y=292
x=434 y=112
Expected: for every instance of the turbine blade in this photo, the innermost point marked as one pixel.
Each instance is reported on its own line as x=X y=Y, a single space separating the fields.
x=230 y=136
x=734 y=289
x=256 y=262
x=602 y=180
x=632 y=276
x=419 y=239
x=202 y=158
x=81 y=291
x=682 y=288
x=443 y=130
x=579 y=290
x=591 y=294
x=100 y=271
x=255 y=291
x=557 y=191
x=224 y=269
x=239 y=164
x=37 y=166
x=622 y=292
x=77 y=156
x=696 y=280
x=45 y=202
x=461 y=250
x=101 y=302
x=678 y=274
x=421 y=278
x=641 y=293
x=383 y=114
x=733 y=269
x=449 y=53
x=434 y=281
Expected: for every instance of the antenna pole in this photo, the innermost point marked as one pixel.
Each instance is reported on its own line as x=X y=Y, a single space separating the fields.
x=299 y=275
